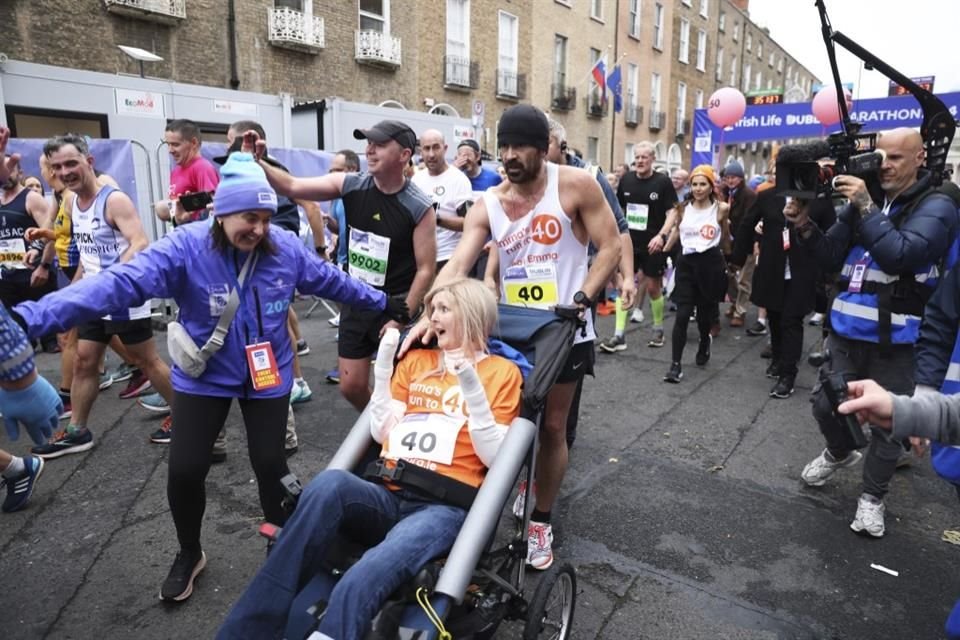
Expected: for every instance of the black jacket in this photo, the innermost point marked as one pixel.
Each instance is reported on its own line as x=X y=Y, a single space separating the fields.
x=768 y=278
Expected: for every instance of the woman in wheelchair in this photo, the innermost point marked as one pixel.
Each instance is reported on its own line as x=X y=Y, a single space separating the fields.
x=445 y=410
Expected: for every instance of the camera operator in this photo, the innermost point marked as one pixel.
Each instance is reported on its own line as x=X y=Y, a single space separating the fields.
x=890 y=257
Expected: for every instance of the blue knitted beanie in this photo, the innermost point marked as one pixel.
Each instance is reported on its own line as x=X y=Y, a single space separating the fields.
x=243 y=187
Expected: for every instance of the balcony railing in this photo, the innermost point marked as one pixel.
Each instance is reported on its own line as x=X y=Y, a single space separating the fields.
x=295 y=30
x=658 y=119
x=162 y=11
x=632 y=115
x=460 y=73
x=562 y=97
x=376 y=48
x=511 y=85
x=596 y=106
x=683 y=127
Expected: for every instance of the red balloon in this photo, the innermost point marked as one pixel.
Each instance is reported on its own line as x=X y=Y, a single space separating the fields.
x=726 y=107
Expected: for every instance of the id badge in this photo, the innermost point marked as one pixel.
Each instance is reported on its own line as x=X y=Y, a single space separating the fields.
x=786 y=239
x=264 y=373
x=856 y=276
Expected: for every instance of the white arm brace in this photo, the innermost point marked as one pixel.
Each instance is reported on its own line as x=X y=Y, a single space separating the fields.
x=485 y=433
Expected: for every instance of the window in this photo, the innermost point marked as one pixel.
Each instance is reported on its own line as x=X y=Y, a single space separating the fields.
x=628 y=154
x=746 y=77
x=458 y=38
x=749 y=42
x=736 y=31
x=701 y=50
x=759 y=51
x=780 y=64
x=698 y=99
x=633 y=72
x=704 y=8
x=593 y=149
x=719 y=63
x=758 y=81
x=773 y=56
x=684 y=48
x=633 y=19
x=769 y=83
x=722 y=24
x=789 y=71
x=658 y=27
x=733 y=70
x=596 y=95
x=507 y=55
x=596 y=10
x=296 y=5
x=654 y=93
x=375 y=15
x=681 y=104
x=560 y=61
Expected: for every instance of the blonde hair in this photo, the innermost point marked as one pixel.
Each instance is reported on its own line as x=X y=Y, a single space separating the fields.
x=475 y=306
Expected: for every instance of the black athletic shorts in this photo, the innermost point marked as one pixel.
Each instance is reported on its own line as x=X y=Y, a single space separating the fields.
x=129 y=331
x=579 y=363
x=652 y=266
x=15 y=287
x=359 y=332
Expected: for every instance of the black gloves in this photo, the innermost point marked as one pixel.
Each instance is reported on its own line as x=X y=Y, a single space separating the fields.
x=397 y=309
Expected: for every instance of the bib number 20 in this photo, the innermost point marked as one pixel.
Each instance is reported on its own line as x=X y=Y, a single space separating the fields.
x=419 y=442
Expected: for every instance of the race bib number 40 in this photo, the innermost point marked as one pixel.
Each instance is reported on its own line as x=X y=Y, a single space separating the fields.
x=531 y=286
x=368 y=254
x=637 y=216
x=426 y=436
x=12 y=252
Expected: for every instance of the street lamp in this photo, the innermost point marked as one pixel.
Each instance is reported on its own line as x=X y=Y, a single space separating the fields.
x=140 y=55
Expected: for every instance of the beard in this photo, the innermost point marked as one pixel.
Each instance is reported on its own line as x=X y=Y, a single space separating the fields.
x=519 y=173
x=10 y=183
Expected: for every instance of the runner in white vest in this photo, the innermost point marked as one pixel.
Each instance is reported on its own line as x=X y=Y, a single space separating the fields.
x=542 y=218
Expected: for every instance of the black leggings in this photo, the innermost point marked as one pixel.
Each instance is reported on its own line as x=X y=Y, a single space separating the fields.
x=706 y=312
x=196 y=422
x=786 y=339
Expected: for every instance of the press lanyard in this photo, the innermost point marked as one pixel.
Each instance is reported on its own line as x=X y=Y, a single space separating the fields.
x=248 y=320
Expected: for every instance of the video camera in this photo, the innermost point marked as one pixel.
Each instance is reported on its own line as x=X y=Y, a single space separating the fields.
x=834 y=387
x=800 y=173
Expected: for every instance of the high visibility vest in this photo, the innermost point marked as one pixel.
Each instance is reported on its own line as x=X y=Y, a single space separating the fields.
x=946 y=458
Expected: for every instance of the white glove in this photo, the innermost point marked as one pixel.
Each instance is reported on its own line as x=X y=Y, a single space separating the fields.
x=485 y=434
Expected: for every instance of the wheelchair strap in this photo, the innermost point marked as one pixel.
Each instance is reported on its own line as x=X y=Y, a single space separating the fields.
x=423 y=481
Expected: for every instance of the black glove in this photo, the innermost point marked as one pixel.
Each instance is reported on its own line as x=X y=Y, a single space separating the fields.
x=398 y=310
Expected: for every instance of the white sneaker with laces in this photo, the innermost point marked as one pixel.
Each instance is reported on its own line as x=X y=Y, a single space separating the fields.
x=869 y=518
x=334 y=321
x=815 y=474
x=637 y=315
x=540 y=545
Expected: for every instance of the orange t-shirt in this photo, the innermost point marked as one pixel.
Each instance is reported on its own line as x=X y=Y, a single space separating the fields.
x=433 y=433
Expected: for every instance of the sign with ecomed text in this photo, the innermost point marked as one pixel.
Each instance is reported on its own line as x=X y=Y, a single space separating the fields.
x=796 y=121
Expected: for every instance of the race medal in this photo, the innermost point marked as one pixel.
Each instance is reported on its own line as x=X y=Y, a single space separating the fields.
x=531 y=286
x=12 y=252
x=637 y=215
x=264 y=373
x=856 y=276
x=367 y=257
x=426 y=436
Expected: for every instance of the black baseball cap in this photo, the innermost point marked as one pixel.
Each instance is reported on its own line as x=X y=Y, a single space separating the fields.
x=387 y=130
x=473 y=144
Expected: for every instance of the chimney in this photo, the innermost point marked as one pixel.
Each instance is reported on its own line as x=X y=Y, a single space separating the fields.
x=743 y=5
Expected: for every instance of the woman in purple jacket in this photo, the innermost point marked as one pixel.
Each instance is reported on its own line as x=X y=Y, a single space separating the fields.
x=199 y=266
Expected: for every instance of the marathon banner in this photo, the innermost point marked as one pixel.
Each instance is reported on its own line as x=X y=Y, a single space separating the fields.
x=796 y=120
x=112 y=157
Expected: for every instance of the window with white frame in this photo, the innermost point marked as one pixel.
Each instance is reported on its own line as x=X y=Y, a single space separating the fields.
x=654 y=93
x=596 y=9
x=633 y=19
x=722 y=23
x=773 y=57
x=769 y=83
x=681 y=104
x=628 y=153
x=458 y=42
x=704 y=8
x=719 y=73
x=758 y=81
x=780 y=64
x=733 y=70
x=507 y=55
x=296 y=5
x=560 y=61
x=593 y=149
x=746 y=77
x=759 y=51
x=749 y=42
x=658 y=27
x=701 y=50
x=698 y=99
x=375 y=15
x=684 y=48
x=633 y=93
x=736 y=31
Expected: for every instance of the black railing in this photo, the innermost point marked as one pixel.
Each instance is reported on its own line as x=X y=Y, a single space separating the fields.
x=632 y=115
x=562 y=97
x=511 y=85
x=658 y=119
x=596 y=106
x=460 y=72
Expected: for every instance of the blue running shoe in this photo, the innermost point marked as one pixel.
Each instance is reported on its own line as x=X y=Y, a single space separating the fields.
x=333 y=376
x=20 y=489
x=65 y=442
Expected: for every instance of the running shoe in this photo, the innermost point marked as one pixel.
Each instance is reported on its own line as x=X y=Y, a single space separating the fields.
x=302 y=347
x=613 y=344
x=657 y=339
x=124 y=372
x=179 y=583
x=137 y=386
x=106 y=380
x=64 y=442
x=334 y=321
x=703 y=352
x=869 y=518
x=784 y=387
x=333 y=376
x=20 y=489
x=817 y=471
x=154 y=402
x=164 y=433
x=675 y=374
x=540 y=545
x=758 y=329
x=637 y=315
x=521 y=501
x=67 y=410
x=300 y=392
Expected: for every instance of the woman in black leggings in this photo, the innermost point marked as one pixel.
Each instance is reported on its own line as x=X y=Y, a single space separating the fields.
x=702 y=226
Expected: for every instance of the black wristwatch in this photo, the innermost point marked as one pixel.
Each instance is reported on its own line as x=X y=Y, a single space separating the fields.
x=582 y=299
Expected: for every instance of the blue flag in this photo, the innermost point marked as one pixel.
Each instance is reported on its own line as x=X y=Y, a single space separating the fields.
x=614 y=84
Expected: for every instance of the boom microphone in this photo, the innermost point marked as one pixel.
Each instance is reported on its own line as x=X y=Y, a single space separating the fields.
x=804 y=152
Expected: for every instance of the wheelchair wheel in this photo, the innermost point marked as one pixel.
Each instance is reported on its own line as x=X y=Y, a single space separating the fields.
x=550 y=614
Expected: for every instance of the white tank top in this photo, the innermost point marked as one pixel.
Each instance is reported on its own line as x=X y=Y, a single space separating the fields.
x=100 y=246
x=542 y=263
x=699 y=229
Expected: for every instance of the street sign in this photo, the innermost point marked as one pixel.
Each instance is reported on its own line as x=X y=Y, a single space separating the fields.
x=478 y=112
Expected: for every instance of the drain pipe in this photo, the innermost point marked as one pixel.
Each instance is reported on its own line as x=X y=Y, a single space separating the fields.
x=232 y=35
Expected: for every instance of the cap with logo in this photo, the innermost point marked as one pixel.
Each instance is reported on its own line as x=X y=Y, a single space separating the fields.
x=243 y=187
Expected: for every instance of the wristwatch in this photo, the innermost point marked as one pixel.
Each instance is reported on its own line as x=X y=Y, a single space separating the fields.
x=582 y=299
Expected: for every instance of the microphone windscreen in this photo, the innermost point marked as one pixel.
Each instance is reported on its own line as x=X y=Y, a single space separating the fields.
x=804 y=152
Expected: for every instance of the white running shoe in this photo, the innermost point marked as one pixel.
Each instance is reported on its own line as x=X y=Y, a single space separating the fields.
x=334 y=321
x=637 y=315
x=540 y=545
x=869 y=518
x=815 y=474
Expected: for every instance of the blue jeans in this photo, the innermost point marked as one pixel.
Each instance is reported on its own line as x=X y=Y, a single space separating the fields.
x=410 y=531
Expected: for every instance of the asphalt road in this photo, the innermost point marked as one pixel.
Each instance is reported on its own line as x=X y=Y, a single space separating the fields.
x=682 y=512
